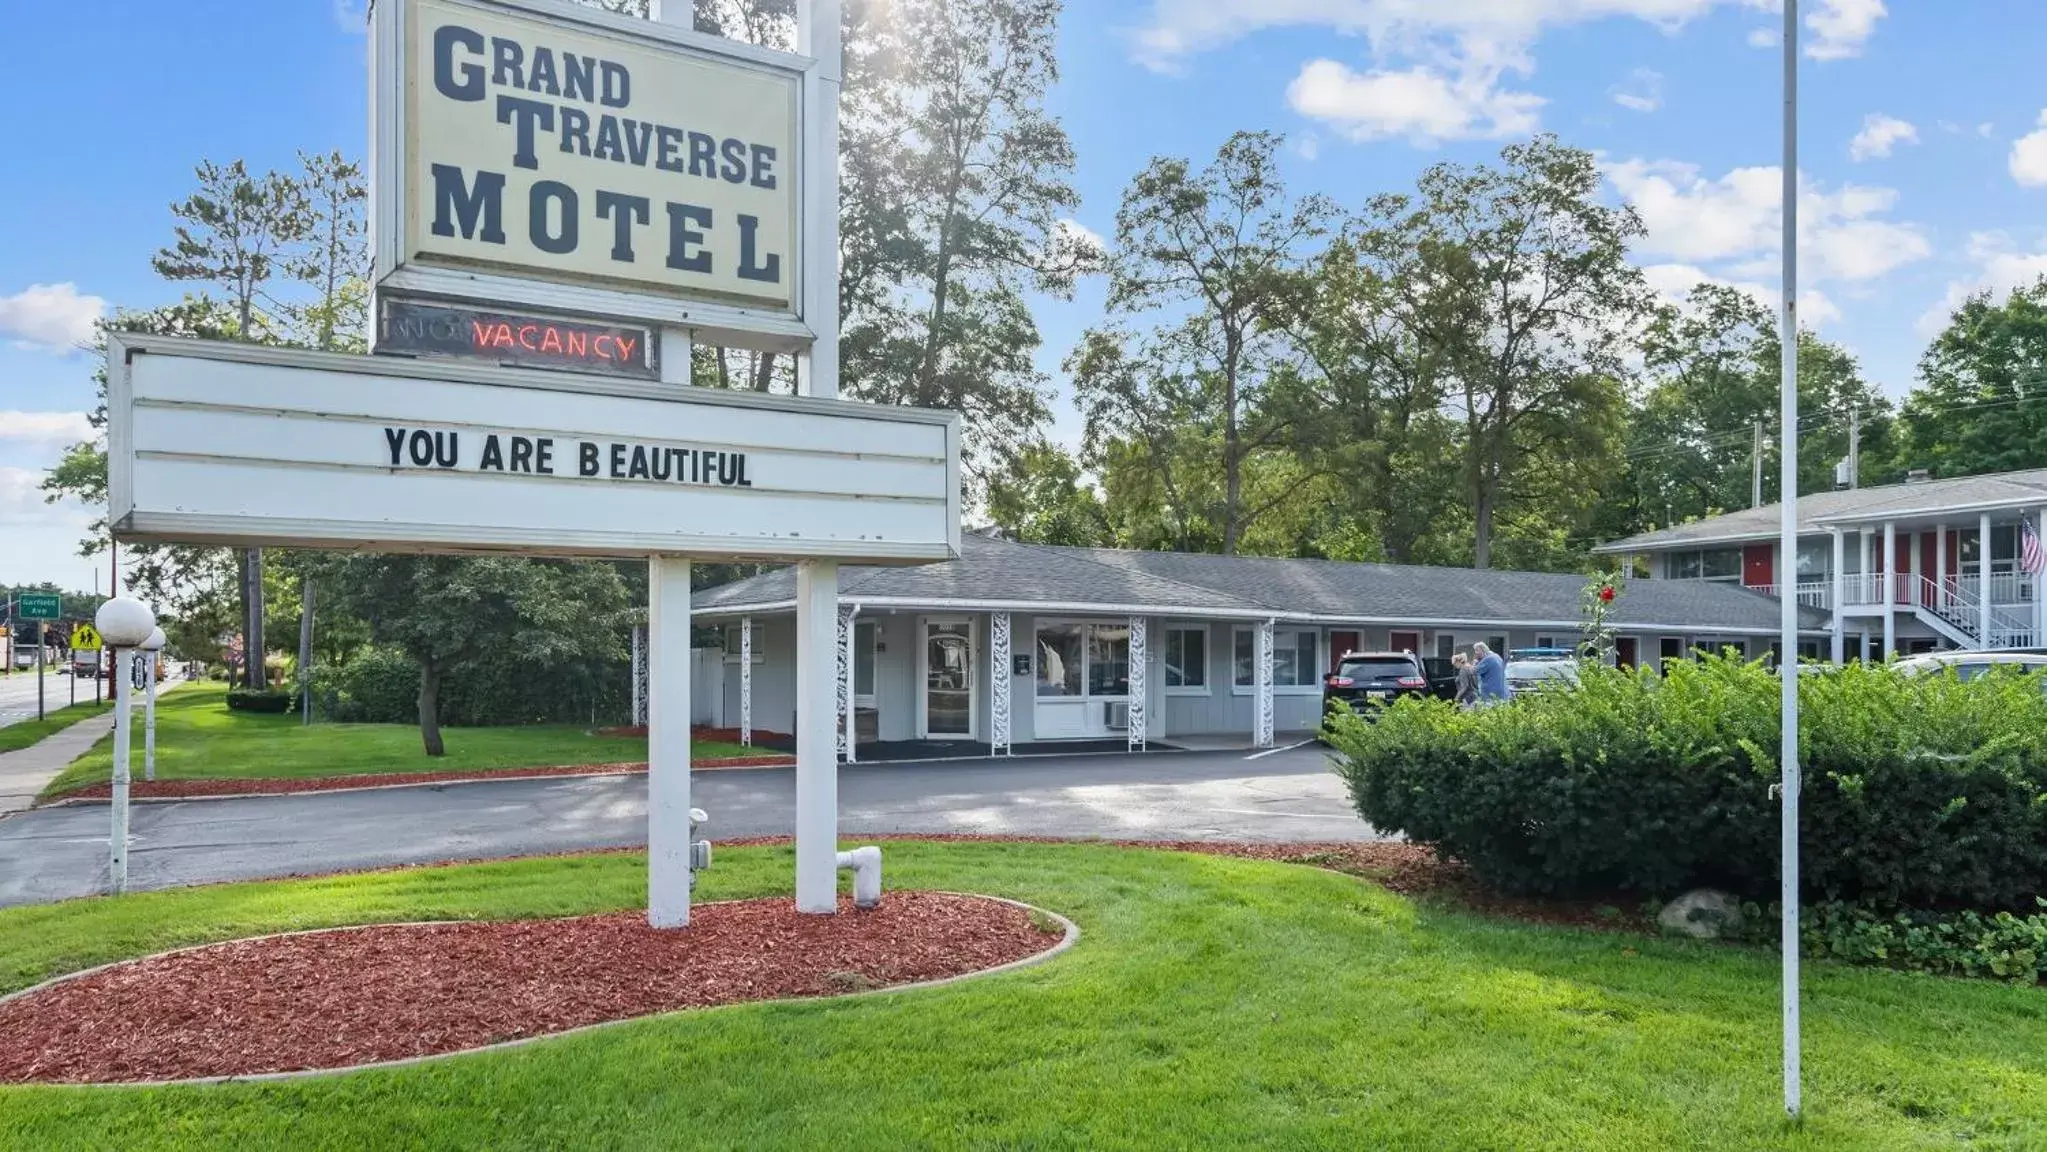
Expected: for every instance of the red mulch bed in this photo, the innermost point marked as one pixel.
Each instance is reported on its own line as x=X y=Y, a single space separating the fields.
x=264 y=785
x=351 y=996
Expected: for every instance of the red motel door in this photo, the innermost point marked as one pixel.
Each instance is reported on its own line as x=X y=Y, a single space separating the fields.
x=1755 y=566
x=1340 y=643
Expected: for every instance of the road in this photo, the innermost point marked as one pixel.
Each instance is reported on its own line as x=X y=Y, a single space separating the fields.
x=18 y=695
x=57 y=853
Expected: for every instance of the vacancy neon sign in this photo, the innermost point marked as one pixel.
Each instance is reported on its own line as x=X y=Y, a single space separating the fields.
x=429 y=328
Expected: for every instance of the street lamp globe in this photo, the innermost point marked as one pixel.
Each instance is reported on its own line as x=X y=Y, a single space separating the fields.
x=124 y=622
x=155 y=642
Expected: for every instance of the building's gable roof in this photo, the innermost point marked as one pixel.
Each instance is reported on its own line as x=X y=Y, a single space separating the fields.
x=1819 y=509
x=1001 y=573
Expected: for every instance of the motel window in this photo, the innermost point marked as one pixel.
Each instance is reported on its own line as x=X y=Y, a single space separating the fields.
x=1707 y=564
x=1815 y=561
x=866 y=635
x=1294 y=662
x=1187 y=659
x=732 y=645
x=2004 y=548
x=1077 y=658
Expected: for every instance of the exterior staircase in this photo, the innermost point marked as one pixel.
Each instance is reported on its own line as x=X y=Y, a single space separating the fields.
x=1956 y=612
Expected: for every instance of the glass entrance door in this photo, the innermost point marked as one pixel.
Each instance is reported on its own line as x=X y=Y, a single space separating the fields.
x=948 y=678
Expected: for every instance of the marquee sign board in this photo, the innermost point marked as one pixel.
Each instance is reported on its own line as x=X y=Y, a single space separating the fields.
x=424 y=328
x=245 y=445
x=527 y=140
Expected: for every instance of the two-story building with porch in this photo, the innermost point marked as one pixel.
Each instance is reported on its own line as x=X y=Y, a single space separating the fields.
x=1899 y=568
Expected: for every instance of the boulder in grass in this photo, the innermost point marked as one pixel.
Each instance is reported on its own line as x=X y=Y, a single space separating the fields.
x=1702 y=913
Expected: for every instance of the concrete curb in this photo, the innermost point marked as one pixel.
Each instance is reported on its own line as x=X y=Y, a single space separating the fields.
x=1068 y=940
x=75 y=801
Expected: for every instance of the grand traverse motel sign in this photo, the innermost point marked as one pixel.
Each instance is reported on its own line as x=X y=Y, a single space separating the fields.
x=544 y=153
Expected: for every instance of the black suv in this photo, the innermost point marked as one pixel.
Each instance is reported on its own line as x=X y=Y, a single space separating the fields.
x=1366 y=681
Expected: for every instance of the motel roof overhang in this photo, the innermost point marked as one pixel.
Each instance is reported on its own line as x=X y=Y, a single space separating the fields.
x=1914 y=504
x=1004 y=576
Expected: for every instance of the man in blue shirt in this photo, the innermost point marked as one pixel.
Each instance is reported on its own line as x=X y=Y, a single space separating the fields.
x=1492 y=675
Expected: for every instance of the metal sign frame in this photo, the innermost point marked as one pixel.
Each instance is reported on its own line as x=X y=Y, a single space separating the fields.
x=733 y=325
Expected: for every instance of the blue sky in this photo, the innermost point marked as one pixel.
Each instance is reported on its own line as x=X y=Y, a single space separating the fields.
x=1924 y=149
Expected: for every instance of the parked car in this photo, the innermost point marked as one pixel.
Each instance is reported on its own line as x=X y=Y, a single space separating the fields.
x=1540 y=675
x=1367 y=681
x=1969 y=665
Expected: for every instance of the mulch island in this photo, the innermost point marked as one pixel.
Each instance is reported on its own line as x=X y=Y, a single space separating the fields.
x=349 y=996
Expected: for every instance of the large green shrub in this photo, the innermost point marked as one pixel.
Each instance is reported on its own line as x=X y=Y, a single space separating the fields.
x=1921 y=792
x=380 y=684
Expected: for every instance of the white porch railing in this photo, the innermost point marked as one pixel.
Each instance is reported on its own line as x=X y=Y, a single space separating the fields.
x=1811 y=594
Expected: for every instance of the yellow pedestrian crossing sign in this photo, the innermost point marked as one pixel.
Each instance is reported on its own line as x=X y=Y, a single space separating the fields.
x=84 y=638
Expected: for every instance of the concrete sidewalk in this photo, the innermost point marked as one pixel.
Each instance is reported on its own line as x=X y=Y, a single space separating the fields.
x=26 y=771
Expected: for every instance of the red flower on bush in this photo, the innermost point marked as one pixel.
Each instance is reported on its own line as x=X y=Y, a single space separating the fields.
x=1606 y=594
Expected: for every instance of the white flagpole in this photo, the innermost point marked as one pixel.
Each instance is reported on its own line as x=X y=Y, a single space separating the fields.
x=1787 y=558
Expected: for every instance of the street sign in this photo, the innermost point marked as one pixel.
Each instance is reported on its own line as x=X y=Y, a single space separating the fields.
x=85 y=638
x=39 y=606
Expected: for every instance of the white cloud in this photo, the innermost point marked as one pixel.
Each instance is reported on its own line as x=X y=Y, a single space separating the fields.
x=1308 y=146
x=1736 y=218
x=1641 y=92
x=1419 y=103
x=1079 y=234
x=1674 y=282
x=1986 y=129
x=1880 y=134
x=350 y=15
x=1841 y=27
x=1177 y=29
x=21 y=501
x=1762 y=38
x=2000 y=267
x=52 y=316
x=62 y=428
x=2029 y=156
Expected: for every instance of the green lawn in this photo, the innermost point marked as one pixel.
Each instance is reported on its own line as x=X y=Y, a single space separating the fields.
x=198 y=738
x=26 y=732
x=1211 y=1003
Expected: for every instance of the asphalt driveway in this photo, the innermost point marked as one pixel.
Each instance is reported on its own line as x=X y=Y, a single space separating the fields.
x=58 y=853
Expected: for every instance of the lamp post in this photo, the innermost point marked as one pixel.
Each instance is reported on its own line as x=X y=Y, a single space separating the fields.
x=123 y=623
x=152 y=658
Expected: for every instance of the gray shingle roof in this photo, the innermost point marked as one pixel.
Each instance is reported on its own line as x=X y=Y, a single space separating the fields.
x=1004 y=572
x=1819 y=509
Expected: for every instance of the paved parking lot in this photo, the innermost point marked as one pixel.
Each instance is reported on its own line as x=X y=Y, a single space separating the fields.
x=56 y=853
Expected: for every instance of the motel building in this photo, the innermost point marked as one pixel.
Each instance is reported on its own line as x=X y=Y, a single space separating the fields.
x=1901 y=568
x=1016 y=648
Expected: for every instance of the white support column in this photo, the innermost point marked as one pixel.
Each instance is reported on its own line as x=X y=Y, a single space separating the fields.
x=1262 y=736
x=152 y=660
x=1868 y=574
x=639 y=675
x=1137 y=684
x=746 y=681
x=117 y=840
x=1890 y=587
x=2039 y=592
x=1840 y=593
x=817 y=767
x=1983 y=580
x=998 y=684
x=818 y=35
x=1940 y=596
x=668 y=742
x=674 y=346
x=849 y=739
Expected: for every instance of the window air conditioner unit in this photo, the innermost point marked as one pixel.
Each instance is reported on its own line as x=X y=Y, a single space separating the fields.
x=1116 y=716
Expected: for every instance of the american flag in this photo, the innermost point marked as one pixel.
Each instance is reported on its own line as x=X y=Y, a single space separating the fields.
x=2032 y=557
